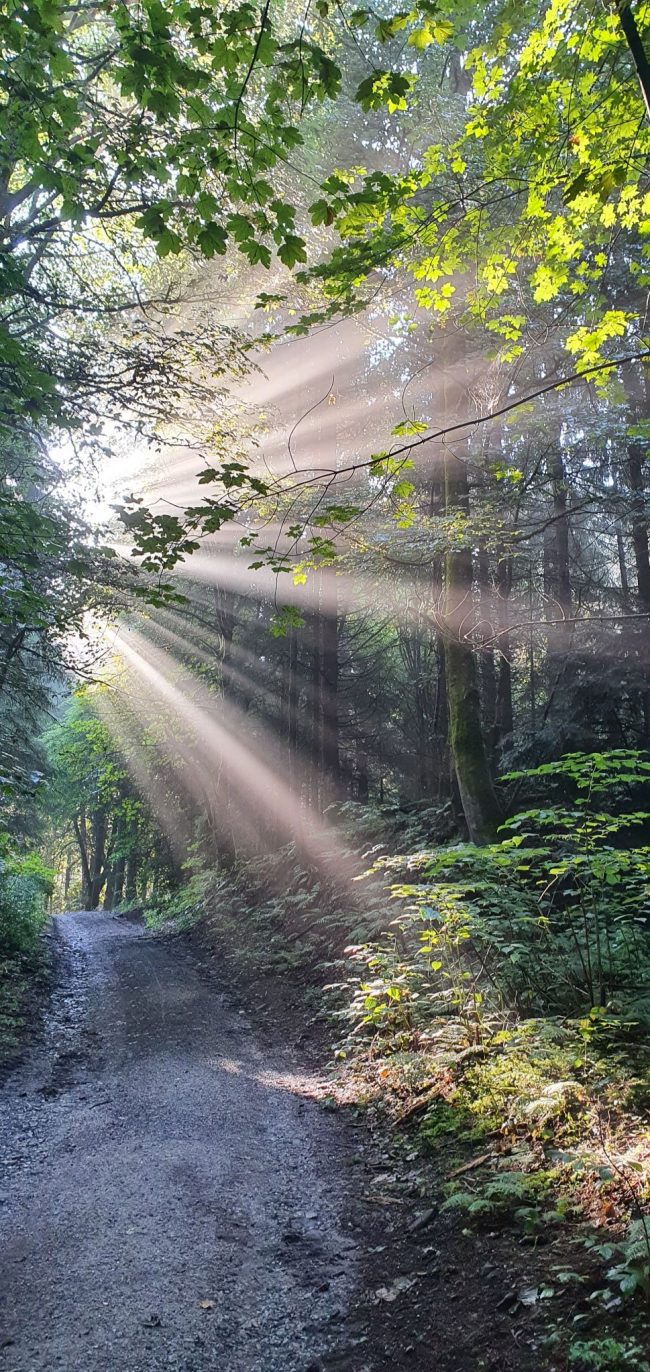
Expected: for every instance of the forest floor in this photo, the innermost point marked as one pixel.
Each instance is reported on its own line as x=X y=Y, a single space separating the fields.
x=177 y=1195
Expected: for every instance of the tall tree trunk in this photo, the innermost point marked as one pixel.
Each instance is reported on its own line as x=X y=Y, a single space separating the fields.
x=441 y=723
x=637 y=50
x=10 y=651
x=488 y=678
x=637 y=387
x=67 y=878
x=81 y=833
x=468 y=751
x=111 y=863
x=131 y=879
x=622 y=570
x=118 y=880
x=108 y=902
x=558 y=590
x=504 y=722
x=98 y=830
x=293 y=704
x=640 y=539
x=441 y=709
x=316 y=731
x=557 y=573
x=562 y=530
x=224 y=613
x=329 y=689
x=361 y=759
x=475 y=787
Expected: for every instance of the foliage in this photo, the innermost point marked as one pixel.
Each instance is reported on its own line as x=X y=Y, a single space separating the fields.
x=544 y=178
x=553 y=917
x=25 y=886
x=631 y=1273
x=182 y=908
x=606 y=1355
x=121 y=854
x=516 y=1194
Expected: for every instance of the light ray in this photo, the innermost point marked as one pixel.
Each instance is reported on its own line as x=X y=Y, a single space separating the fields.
x=258 y=786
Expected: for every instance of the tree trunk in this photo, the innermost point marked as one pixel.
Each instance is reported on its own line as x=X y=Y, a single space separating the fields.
x=363 y=786
x=11 y=650
x=504 y=722
x=86 y=875
x=293 y=704
x=329 y=690
x=98 y=830
x=488 y=678
x=475 y=787
x=469 y=755
x=441 y=722
x=637 y=386
x=111 y=863
x=558 y=590
x=640 y=539
x=316 y=739
x=118 y=881
x=622 y=570
x=224 y=613
x=67 y=878
x=108 y=902
x=637 y=50
x=131 y=879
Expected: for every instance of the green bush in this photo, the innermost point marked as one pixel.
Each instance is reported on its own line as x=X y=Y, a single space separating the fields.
x=25 y=885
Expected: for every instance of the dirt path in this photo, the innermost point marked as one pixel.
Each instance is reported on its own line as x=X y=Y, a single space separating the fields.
x=155 y=1160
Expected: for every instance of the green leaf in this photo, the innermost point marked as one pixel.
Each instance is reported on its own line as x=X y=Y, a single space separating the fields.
x=212 y=239
x=169 y=243
x=321 y=212
x=292 y=250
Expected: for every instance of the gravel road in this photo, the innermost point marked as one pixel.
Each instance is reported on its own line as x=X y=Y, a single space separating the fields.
x=171 y=1197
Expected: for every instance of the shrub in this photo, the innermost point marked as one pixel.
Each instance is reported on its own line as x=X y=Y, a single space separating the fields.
x=25 y=885
x=554 y=918
x=182 y=907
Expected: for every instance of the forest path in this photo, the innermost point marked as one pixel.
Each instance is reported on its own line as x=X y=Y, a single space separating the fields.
x=155 y=1159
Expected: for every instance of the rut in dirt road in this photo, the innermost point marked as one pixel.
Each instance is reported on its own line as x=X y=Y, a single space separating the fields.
x=170 y=1199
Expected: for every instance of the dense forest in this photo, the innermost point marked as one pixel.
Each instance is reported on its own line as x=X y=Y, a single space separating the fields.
x=325 y=551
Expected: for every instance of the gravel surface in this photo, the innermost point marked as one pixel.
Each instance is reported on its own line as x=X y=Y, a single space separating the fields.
x=171 y=1196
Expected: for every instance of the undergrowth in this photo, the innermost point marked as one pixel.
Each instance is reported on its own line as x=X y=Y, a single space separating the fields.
x=25 y=886
x=493 y=1003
